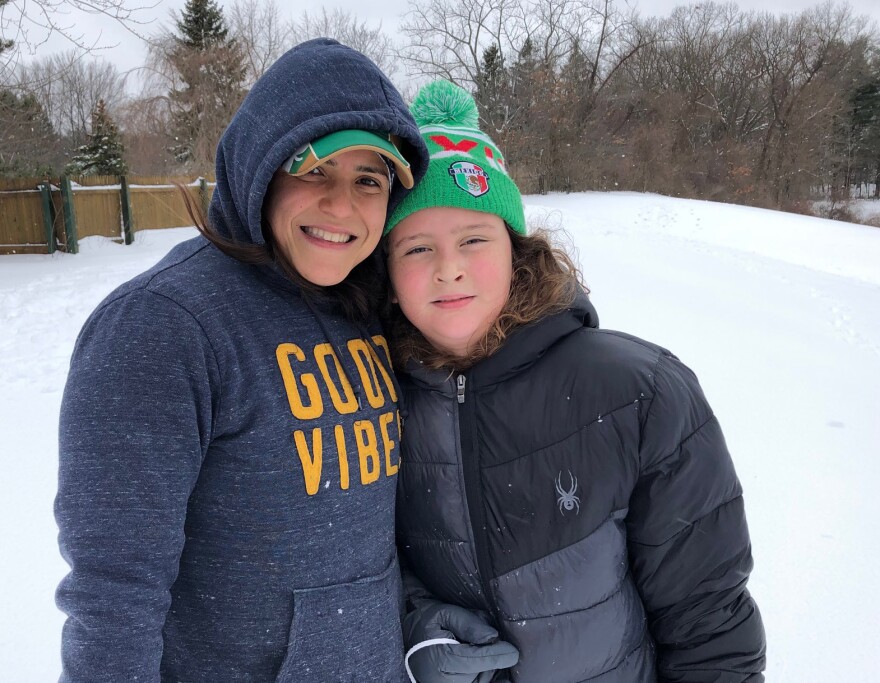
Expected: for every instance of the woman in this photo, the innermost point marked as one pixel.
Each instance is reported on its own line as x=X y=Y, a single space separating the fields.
x=565 y=487
x=229 y=429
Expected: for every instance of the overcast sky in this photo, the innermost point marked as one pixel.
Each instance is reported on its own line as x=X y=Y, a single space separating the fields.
x=128 y=50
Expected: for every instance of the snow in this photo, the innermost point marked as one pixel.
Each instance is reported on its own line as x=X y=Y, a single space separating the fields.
x=777 y=314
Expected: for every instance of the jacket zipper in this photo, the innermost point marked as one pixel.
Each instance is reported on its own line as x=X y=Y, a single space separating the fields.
x=473 y=490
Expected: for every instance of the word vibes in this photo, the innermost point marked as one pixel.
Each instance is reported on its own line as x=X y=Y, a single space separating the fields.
x=313 y=395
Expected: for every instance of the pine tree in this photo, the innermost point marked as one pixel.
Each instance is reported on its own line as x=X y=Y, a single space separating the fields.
x=575 y=74
x=4 y=43
x=523 y=72
x=102 y=154
x=28 y=143
x=866 y=129
x=211 y=68
x=493 y=93
x=201 y=25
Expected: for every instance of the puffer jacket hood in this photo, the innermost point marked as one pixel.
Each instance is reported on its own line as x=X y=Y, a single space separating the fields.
x=532 y=341
x=316 y=88
x=523 y=348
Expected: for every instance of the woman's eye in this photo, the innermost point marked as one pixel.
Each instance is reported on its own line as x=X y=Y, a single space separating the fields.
x=370 y=182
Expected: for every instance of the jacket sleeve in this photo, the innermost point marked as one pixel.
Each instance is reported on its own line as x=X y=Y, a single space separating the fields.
x=688 y=540
x=135 y=424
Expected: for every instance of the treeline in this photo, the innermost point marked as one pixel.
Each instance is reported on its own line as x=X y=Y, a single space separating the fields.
x=709 y=101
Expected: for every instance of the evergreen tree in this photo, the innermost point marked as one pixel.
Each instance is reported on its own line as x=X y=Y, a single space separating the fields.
x=575 y=78
x=4 y=44
x=534 y=119
x=492 y=90
x=201 y=25
x=866 y=130
x=102 y=154
x=211 y=69
x=28 y=143
x=523 y=72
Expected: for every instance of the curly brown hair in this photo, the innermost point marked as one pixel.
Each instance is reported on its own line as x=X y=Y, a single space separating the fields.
x=545 y=281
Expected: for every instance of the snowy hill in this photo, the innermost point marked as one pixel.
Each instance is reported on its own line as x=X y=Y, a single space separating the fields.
x=779 y=315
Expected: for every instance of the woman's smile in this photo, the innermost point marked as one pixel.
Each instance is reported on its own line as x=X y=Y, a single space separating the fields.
x=327 y=237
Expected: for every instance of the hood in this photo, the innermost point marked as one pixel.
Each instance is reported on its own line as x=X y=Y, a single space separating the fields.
x=527 y=344
x=316 y=88
x=521 y=350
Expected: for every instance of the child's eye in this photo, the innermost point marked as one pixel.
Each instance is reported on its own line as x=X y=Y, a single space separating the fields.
x=474 y=240
x=416 y=250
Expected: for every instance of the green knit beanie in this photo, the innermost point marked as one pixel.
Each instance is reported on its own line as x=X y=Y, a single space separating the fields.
x=467 y=170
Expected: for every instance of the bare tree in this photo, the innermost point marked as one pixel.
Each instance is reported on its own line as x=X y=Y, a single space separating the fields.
x=348 y=29
x=69 y=86
x=262 y=34
x=145 y=120
x=30 y=23
x=447 y=38
x=800 y=59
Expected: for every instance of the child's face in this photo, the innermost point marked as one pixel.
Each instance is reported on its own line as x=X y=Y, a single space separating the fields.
x=450 y=272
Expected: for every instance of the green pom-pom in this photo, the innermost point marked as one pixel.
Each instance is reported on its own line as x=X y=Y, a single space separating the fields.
x=442 y=102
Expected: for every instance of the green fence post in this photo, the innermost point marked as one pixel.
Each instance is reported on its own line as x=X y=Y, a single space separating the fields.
x=48 y=215
x=203 y=194
x=69 y=216
x=125 y=200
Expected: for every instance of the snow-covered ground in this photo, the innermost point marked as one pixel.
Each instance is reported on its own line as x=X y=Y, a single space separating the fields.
x=778 y=314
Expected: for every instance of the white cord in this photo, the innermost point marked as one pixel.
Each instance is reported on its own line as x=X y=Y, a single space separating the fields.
x=418 y=646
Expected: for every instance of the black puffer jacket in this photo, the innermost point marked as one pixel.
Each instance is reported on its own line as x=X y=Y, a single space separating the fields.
x=577 y=487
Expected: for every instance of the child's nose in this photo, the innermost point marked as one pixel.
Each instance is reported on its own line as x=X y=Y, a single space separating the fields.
x=450 y=270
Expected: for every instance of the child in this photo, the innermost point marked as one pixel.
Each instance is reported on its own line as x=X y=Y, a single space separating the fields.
x=563 y=486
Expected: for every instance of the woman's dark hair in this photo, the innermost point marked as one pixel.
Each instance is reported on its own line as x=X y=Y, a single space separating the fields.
x=358 y=295
x=545 y=281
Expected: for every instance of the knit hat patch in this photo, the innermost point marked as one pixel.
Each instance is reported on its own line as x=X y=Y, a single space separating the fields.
x=470 y=178
x=467 y=170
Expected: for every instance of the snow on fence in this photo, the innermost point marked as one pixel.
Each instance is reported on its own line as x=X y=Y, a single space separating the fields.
x=40 y=215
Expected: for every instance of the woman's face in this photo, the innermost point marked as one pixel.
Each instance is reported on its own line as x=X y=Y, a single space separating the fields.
x=329 y=220
x=450 y=272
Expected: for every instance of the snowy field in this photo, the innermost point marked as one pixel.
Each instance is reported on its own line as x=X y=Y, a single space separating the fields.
x=778 y=314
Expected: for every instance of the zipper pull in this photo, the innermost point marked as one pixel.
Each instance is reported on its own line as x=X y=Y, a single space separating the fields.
x=461 y=381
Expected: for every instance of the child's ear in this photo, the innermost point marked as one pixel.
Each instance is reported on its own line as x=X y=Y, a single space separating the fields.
x=394 y=298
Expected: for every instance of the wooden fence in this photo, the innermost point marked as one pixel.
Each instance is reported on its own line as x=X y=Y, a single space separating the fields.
x=40 y=215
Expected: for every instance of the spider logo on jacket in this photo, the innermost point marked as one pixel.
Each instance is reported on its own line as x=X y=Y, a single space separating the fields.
x=567 y=500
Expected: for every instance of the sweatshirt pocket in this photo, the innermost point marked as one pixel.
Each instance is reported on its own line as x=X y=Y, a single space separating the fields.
x=347 y=632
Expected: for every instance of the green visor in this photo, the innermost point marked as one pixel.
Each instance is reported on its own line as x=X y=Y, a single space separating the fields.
x=318 y=151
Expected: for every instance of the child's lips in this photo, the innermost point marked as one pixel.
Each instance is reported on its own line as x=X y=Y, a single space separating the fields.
x=457 y=301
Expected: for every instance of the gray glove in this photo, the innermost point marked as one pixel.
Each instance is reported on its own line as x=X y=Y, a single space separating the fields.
x=476 y=657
